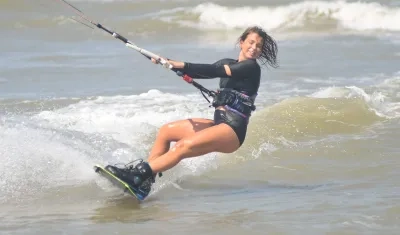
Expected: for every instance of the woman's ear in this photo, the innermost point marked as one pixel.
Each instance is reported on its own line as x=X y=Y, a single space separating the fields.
x=240 y=44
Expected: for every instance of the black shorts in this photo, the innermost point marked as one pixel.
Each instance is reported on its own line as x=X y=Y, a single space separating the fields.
x=235 y=120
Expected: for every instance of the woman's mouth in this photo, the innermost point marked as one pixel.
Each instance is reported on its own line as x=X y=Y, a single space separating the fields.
x=251 y=53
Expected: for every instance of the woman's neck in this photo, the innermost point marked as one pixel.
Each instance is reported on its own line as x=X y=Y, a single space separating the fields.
x=241 y=57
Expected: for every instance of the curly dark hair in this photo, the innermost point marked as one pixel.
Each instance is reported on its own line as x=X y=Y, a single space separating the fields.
x=269 y=49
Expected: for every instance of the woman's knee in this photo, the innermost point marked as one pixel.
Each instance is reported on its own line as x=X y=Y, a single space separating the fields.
x=183 y=148
x=165 y=131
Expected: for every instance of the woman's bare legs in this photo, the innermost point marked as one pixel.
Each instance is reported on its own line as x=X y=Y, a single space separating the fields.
x=218 y=138
x=176 y=131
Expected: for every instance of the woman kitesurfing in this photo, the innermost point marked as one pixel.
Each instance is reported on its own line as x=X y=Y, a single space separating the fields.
x=233 y=104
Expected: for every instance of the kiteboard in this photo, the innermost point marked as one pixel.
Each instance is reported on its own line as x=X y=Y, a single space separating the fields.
x=125 y=187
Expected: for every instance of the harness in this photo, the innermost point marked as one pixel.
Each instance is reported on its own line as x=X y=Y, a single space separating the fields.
x=235 y=100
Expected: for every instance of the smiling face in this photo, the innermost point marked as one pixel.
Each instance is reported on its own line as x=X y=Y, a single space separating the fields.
x=251 y=47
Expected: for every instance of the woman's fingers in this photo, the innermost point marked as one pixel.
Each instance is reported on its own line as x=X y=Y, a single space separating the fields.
x=169 y=63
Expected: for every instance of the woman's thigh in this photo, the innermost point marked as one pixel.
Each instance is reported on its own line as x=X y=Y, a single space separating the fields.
x=178 y=130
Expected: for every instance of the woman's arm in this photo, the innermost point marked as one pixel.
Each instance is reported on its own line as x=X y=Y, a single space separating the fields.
x=201 y=71
x=205 y=71
x=222 y=68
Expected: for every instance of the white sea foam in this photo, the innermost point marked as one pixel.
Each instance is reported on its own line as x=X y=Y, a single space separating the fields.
x=349 y=15
x=379 y=100
x=58 y=147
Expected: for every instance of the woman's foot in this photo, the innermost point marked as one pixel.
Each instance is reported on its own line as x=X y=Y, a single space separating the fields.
x=140 y=177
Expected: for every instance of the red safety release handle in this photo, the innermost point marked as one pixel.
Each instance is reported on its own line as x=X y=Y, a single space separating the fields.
x=187 y=78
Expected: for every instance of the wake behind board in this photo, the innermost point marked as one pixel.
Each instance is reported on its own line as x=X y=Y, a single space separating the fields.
x=116 y=181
